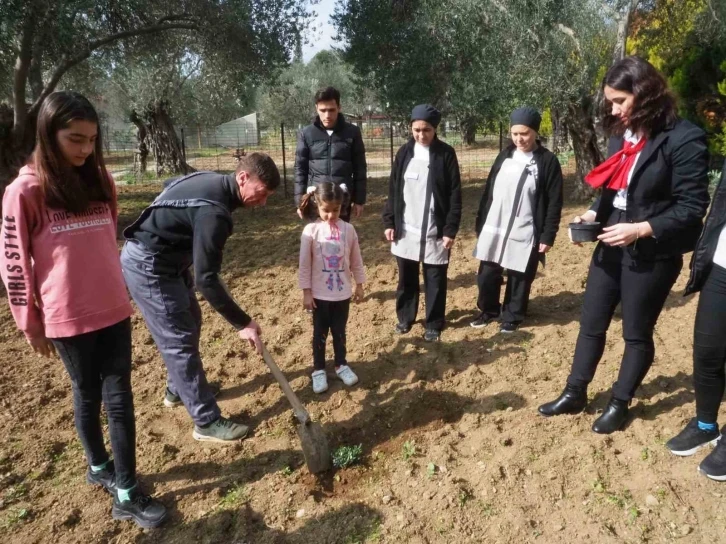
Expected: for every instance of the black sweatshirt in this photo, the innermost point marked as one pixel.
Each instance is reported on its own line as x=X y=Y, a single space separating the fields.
x=187 y=233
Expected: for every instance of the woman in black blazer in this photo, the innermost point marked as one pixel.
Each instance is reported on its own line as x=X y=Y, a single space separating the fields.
x=654 y=196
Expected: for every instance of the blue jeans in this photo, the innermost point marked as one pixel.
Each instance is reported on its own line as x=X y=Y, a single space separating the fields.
x=167 y=301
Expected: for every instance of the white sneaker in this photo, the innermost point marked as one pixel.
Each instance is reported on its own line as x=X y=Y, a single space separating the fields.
x=320 y=381
x=347 y=375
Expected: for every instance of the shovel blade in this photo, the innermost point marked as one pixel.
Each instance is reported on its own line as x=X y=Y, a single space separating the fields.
x=315 y=447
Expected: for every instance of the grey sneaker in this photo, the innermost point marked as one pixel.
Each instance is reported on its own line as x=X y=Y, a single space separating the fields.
x=222 y=430
x=172 y=400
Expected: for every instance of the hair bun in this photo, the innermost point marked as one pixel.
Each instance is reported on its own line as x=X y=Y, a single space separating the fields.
x=344 y=187
x=310 y=189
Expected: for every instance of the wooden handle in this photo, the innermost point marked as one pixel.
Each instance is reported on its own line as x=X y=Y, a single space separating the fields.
x=297 y=407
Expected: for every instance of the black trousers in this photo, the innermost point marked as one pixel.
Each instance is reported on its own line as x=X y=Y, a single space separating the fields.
x=330 y=316
x=99 y=364
x=641 y=287
x=435 y=284
x=516 y=295
x=709 y=346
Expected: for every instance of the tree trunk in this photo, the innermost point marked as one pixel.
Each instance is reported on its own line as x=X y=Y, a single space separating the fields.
x=584 y=143
x=141 y=153
x=557 y=131
x=467 y=128
x=163 y=141
x=623 y=24
x=13 y=152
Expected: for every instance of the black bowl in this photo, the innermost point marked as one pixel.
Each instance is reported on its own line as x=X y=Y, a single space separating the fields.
x=586 y=231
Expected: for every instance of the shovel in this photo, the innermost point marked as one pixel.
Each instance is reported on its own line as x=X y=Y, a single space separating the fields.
x=312 y=438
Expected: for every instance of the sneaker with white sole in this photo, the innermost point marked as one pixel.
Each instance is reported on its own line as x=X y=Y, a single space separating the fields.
x=345 y=373
x=222 y=430
x=714 y=464
x=691 y=439
x=320 y=381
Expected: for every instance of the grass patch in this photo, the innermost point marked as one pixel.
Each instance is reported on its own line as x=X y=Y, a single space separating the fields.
x=346 y=456
x=233 y=497
x=408 y=450
x=15 y=516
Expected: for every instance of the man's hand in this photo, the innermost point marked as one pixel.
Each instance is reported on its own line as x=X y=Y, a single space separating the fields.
x=42 y=346
x=359 y=294
x=357 y=210
x=448 y=242
x=544 y=248
x=252 y=333
x=308 y=301
x=389 y=234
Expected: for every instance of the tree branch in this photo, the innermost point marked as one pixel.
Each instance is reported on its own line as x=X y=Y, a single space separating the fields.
x=69 y=62
x=571 y=33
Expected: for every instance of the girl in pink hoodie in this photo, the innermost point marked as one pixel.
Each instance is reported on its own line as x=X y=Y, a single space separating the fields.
x=61 y=268
x=331 y=273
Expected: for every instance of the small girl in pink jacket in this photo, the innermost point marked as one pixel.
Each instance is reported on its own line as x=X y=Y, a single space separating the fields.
x=330 y=267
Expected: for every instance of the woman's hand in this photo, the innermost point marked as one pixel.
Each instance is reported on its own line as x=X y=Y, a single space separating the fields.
x=359 y=294
x=42 y=346
x=588 y=217
x=308 y=301
x=448 y=242
x=624 y=234
x=544 y=248
x=389 y=234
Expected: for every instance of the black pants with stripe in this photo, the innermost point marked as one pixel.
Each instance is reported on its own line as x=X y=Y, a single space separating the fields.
x=407 y=293
x=516 y=295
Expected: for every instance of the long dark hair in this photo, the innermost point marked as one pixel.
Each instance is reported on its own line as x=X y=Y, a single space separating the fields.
x=325 y=191
x=654 y=106
x=66 y=186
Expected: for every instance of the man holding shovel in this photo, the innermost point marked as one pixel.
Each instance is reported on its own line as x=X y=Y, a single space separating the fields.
x=185 y=229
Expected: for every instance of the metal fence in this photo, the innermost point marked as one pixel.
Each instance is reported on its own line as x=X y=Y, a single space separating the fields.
x=208 y=148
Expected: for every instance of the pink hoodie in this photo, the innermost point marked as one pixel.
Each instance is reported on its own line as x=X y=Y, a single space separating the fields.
x=61 y=270
x=330 y=260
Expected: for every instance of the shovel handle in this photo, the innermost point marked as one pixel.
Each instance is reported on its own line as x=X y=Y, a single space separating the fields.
x=297 y=407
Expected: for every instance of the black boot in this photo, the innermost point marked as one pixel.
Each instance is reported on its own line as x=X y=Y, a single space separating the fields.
x=572 y=401
x=612 y=418
x=147 y=512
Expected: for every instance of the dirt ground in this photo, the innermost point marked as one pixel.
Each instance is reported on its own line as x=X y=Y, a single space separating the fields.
x=453 y=447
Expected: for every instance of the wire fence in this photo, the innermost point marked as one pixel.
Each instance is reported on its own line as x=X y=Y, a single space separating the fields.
x=209 y=148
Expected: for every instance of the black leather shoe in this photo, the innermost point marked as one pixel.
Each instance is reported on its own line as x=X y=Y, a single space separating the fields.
x=148 y=513
x=105 y=478
x=612 y=418
x=572 y=401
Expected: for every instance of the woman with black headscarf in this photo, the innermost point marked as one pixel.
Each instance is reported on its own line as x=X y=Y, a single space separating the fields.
x=517 y=222
x=421 y=217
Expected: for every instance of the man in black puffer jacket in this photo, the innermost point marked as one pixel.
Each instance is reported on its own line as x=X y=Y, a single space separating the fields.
x=331 y=149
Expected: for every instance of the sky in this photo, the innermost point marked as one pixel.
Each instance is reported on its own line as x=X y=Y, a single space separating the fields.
x=322 y=32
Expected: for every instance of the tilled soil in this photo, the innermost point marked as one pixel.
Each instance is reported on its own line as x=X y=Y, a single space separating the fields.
x=453 y=447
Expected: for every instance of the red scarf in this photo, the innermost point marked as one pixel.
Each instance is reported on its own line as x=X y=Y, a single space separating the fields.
x=614 y=171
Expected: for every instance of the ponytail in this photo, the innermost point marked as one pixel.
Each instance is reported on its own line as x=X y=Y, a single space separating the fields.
x=326 y=191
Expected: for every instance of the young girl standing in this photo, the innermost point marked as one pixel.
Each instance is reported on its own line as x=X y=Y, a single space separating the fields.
x=330 y=261
x=60 y=265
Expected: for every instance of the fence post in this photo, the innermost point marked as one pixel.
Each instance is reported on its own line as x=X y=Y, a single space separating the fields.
x=390 y=132
x=284 y=162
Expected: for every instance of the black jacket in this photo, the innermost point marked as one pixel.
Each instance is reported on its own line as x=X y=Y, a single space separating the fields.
x=188 y=229
x=444 y=171
x=340 y=158
x=548 y=194
x=669 y=190
x=702 y=258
